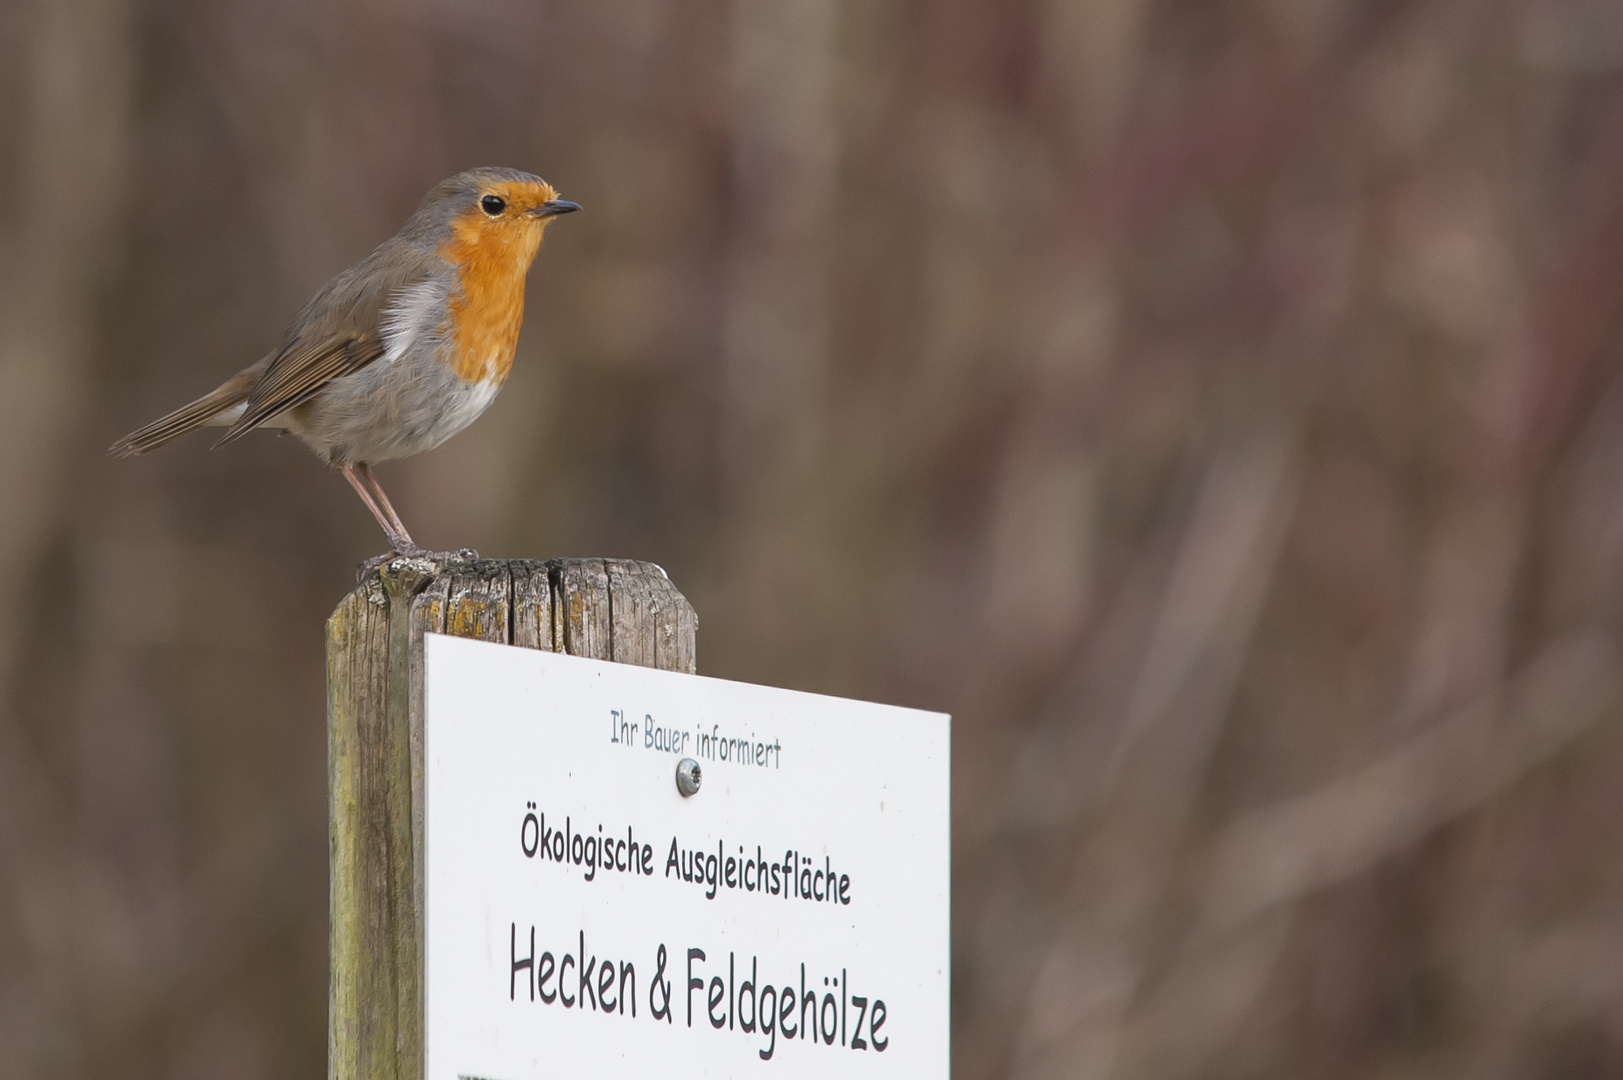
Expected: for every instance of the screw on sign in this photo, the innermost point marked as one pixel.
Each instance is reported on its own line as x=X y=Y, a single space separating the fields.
x=688 y=777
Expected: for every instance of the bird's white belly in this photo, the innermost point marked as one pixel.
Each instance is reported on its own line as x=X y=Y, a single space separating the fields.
x=460 y=408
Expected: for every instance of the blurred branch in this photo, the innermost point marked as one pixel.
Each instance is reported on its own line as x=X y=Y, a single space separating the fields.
x=1081 y=995
x=71 y=165
x=1275 y=855
x=1269 y=859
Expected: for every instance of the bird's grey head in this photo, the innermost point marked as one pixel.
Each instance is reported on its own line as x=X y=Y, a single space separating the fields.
x=493 y=194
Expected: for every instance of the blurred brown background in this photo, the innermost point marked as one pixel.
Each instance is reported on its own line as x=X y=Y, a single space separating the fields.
x=1216 y=406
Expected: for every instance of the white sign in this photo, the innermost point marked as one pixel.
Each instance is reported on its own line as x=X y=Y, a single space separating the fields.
x=583 y=918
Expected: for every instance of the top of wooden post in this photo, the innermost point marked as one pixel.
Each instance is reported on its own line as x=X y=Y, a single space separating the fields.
x=606 y=609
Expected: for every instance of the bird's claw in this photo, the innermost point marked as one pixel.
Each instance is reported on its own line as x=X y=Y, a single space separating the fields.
x=377 y=562
x=459 y=555
x=371 y=566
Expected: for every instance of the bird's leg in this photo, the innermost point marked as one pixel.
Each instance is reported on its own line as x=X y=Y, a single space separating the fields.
x=364 y=470
x=399 y=539
x=394 y=527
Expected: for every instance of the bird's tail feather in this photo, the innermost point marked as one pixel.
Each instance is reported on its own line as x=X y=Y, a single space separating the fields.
x=203 y=412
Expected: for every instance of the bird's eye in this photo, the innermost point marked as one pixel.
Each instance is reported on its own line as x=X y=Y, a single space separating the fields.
x=493 y=205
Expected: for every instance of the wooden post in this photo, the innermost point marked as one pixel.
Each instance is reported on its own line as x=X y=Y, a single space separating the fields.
x=607 y=609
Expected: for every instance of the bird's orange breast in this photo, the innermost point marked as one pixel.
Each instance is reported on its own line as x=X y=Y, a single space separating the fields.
x=487 y=310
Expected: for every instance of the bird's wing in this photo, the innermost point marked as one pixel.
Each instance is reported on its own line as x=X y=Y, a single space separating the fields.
x=298 y=373
x=337 y=333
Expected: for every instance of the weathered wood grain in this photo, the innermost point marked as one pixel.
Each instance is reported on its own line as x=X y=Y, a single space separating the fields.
x=580 y=590
x=650 y=623
x=480 y=601
x=376 y=974
x=676 y=625
x=428 y=614
x=357 y=676
x=631 y=614
x=532 y=605
x=603 y=609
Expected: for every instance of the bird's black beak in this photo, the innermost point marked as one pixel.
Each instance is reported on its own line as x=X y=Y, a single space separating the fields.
x=554 y=207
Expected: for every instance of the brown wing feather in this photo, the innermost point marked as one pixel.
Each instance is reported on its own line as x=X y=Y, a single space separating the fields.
x=336 y=334
x=187 y=418
x=297 y=374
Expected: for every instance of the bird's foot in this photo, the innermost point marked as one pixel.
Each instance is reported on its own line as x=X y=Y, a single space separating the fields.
x=459 y=555
x=377 y=562
x=374 y=564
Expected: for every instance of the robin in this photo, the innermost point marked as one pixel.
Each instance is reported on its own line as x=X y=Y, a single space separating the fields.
x=402 y=350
